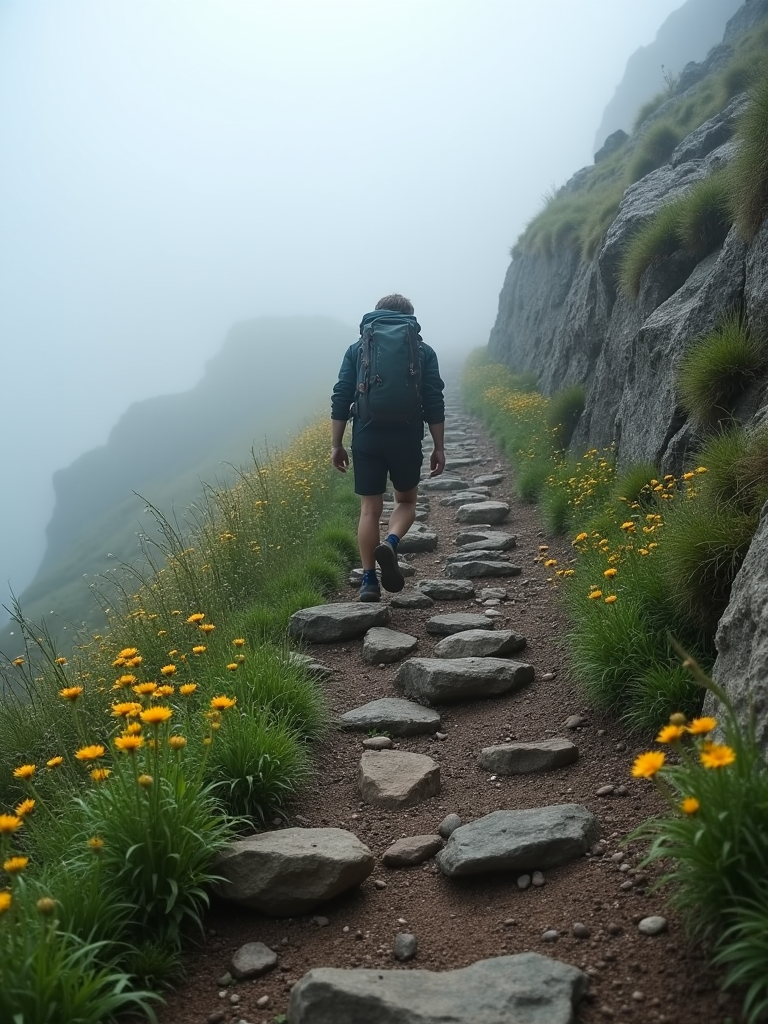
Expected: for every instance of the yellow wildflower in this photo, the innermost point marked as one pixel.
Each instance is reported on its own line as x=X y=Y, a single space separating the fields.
x=9 y=823
x=701 y=726
x=90 y=753
x=5 y=901
x=240 y=642
x=168 y=670
x=646 y=765
x=198 y=649
x=24 y=771
x=206 y=627
x=610 y=573
x=689 y=805
x=221 y=703
x=611 y=599
x=670 y=733
x=595 y=594
x=25 y=807
x=54 y=762
x=177 y=742
x=100 y=774
x=129 y=744
x=196 y=617
x=15 y=864
x=717 y=755
x=61 y=661
x=187 y=688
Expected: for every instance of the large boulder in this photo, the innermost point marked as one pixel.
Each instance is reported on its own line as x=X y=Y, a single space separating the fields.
x=291 y=871
x=542 y=837
x=444 y=680
x=331 y=623
x=522 y=989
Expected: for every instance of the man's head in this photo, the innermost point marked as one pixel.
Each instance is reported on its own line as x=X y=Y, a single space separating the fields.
x=397 y=303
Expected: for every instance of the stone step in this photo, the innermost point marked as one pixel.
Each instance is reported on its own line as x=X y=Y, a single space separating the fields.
x=456 y=622
x=477 y=570
x=384 y=646
x=473 y=497
x=447 y=590
x=483 y=512
x=485 y=540
x=394 y=715
x=524 y=758
x=480 y=643
x=330 y=623
x=489 y=479
x=447 y=680
x=396 y=779
x=443 y=483
x=418 y=539
x=411 y=599
x=473 y=554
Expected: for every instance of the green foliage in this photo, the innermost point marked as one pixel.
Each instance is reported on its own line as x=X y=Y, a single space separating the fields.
x=563 y=412
x=704 y=215
x=717 y=370
x=655 y=242
x=556 y=510
x=649 y=107
x=737 y=468
x=749 y=169
x=661 y=690
x=530 y=481
x=743 y=949
x=632 y=484
x=654 y=149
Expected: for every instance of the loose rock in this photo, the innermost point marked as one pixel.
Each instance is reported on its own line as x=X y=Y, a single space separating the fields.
x=331 y=623
x=404 y=947
x=447 y=590
x=456 y=622
x=397 y=778
x=523 y=758
x=411 y=599
x=393 y=715
x=449 y=824
x=475 y=570
x=652 y=925
x=252 y=960
x=483 y=512
x=385 y=646
x=480 y=643
x=438 y=680
x=377 y=743
x=413 y=850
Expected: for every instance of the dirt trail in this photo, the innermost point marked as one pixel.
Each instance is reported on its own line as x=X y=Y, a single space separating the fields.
x=634 y=978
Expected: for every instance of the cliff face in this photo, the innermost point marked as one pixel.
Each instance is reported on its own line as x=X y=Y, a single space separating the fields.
x=564 y=319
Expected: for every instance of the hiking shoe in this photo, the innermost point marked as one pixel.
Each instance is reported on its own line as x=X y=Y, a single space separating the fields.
x=370 y=592
x=391 y=577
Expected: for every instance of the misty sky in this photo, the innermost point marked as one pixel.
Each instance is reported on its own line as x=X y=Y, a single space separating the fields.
x=168 y=167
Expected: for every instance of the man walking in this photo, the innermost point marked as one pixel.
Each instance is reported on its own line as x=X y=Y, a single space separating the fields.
x=390 y=384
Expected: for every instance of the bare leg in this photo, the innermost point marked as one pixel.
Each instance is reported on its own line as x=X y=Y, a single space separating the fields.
x=368 y=533
x=404 y=512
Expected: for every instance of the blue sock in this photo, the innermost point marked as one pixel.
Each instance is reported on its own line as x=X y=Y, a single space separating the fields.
x=369 y=576
x=394 y=540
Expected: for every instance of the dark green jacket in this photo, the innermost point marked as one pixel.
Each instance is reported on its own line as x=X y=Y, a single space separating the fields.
x=432 y=405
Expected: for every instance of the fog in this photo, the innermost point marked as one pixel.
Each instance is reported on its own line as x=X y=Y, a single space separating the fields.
x=168 y=168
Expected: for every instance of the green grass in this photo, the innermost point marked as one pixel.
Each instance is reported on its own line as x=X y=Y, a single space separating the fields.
x=556 y=510
x=718 y=369
x=632 y=484
x=530 y=481
x=749 y=170
x=654 y=149
x=652 y=244
x=563 y=412
x=649 y=107
x=736 y=460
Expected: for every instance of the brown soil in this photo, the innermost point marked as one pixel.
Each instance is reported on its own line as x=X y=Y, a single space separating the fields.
x=634 y=978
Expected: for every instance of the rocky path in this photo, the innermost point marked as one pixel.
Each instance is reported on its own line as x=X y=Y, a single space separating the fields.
x=469 y=809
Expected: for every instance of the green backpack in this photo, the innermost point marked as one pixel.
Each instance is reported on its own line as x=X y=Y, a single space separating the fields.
x=389 y=368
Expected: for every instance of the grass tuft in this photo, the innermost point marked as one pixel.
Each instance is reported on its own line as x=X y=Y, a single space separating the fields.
x=704 y=215
x=563 y=412
x=749 y=169
x=655 y=242
x=649 y=107
x=654 y=149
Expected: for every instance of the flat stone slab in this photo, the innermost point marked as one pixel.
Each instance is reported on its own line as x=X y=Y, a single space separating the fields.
x=483 y=512
x=443 y=483
x=490 y=479
x=522 y=989
x=447 y=590
x=292 y=870
x=524 y=758
x=540 y=838
x=465 y=498
x=488 y=540
x=480 y=570
x=252 y=960
x=456 y=622
x=417 y=539
x=394 y=715
x=477 y=555
x=480 y=643
x=395 y=779
x=444 y=680
x=330 y=623
x=405 y=853
x=387 y=645
x=411 y=599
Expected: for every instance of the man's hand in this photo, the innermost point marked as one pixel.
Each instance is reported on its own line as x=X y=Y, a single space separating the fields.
x=340 y=459
x=437 y=461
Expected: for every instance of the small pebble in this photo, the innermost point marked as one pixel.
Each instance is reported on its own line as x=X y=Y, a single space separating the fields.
x=218 y=1016
x=652 y=925
x=617 y=858
x=605 y=790
x=614 y=929
x=626 y=886
x=510 y=922
x=601 y=732
x=441 y=735
x=638 y=996
x=550 y=936
x=621 y=746
x=580 y=931
x=538 y=879
x=379 y=883
x=262 y=1001
x=404 y=947
x=321 y=922
x=448 y=825
x=523 y=882
x=574 y=721
x=622 y=791
x=277 y=822
x=377 y=743
x=225 y=979
x=548 y=676
x=234 y=999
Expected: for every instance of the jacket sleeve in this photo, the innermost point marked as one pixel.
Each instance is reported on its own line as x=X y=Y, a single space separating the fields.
x=432 y=403
x=344 y=390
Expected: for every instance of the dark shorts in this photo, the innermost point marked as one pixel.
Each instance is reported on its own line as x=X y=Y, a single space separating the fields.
x=379 y=451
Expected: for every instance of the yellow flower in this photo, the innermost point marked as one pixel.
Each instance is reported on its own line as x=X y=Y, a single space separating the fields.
x=197 y=617
x=701 y=726
x=71 y=692
x=611 y=599
x=595 y=594
x=187 y=688
x=610 y=573
x=24 y=771
x=135 y=661
x=162 y=632
x=129 y=744
x=199 y=649
x=646 y=765
x=717 y=755
x=18 y=662
x=54 y=762
x=177 y=742
x=90 y=753
x=580 y=537
x=128 y=652
x=128 y=709
x=61 y=661
x=550 y=562
x=25 y=807
x=132 y=729
x=5 y=901
x=670 y=733
x=176 y=611
x=629 y=526
x=240 y=658
x=156 y=715
x=688 y=476
x=701 y=469
x=142 y=689
x=9 y=823
x=240 y=642
x=206 y=627
x=125 y=680
x=221 y=703
x=168 y=670
x=118 y=662
x=232 y=667
x=164 y=691
x=15 y=864
x=689 y=805
x=145 y=781
x=100 y=774
x=96 y=843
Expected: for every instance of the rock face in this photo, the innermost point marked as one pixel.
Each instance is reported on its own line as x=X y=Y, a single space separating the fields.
x=441 y=681
x=330 y=623
x=541 y=838
x=292 y=870
x=383 y=645
x=523 y=758
x=741 y=667
x=394 y=779
x=527 y=988
x=393 y=715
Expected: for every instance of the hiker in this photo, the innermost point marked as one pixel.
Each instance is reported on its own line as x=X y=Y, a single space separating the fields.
x=389 y=385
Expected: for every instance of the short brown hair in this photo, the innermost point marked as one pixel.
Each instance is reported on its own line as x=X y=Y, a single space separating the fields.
x=397 y=303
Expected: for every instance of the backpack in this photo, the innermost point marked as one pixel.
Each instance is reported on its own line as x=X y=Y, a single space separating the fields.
x=389 y=368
